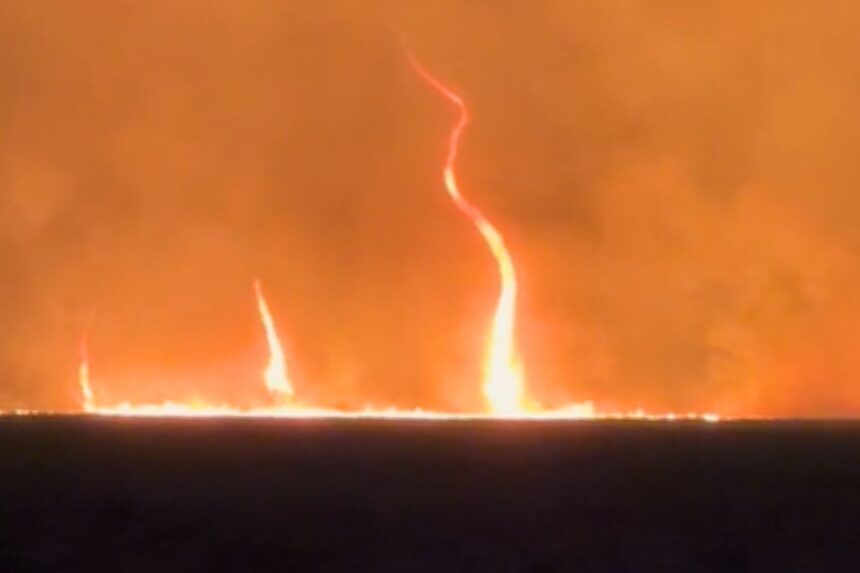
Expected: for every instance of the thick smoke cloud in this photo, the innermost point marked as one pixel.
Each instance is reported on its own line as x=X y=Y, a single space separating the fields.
x=676 y=182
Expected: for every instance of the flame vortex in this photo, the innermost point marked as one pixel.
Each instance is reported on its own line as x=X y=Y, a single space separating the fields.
x=503 y=375
x=84 y=376
x=275 y=374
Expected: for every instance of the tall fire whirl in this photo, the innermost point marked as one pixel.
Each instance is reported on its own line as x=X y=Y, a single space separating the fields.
x=503 y=383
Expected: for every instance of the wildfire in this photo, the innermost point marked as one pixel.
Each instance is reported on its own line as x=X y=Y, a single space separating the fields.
x=275 y=379
x=503 y=376
x=503 y=381
x=275 y=374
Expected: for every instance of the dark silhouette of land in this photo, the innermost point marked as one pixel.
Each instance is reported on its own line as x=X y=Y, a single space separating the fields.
x=90 y=494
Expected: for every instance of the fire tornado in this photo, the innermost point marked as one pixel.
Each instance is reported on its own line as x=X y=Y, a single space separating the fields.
x=275 y=374
x=503 y=375
x=84 y=375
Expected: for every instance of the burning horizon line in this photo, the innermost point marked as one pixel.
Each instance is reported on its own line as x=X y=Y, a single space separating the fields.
x=177 y=410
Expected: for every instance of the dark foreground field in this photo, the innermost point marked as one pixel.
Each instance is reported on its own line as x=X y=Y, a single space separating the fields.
x=81 y=494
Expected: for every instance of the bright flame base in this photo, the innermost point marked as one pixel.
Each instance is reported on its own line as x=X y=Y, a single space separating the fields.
x=579 y=411
x=178 y=411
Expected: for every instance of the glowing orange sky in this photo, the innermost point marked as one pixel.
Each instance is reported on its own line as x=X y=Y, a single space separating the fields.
x=677 y=182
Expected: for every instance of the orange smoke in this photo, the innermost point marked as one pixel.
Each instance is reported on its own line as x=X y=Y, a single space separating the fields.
x=275 y=374
x=503 y=376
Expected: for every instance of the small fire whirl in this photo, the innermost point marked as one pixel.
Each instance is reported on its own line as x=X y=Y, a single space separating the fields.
x=275 y=373
x=84 y=378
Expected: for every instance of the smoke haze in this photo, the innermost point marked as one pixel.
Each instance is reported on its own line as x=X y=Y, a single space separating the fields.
x=676 y=182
